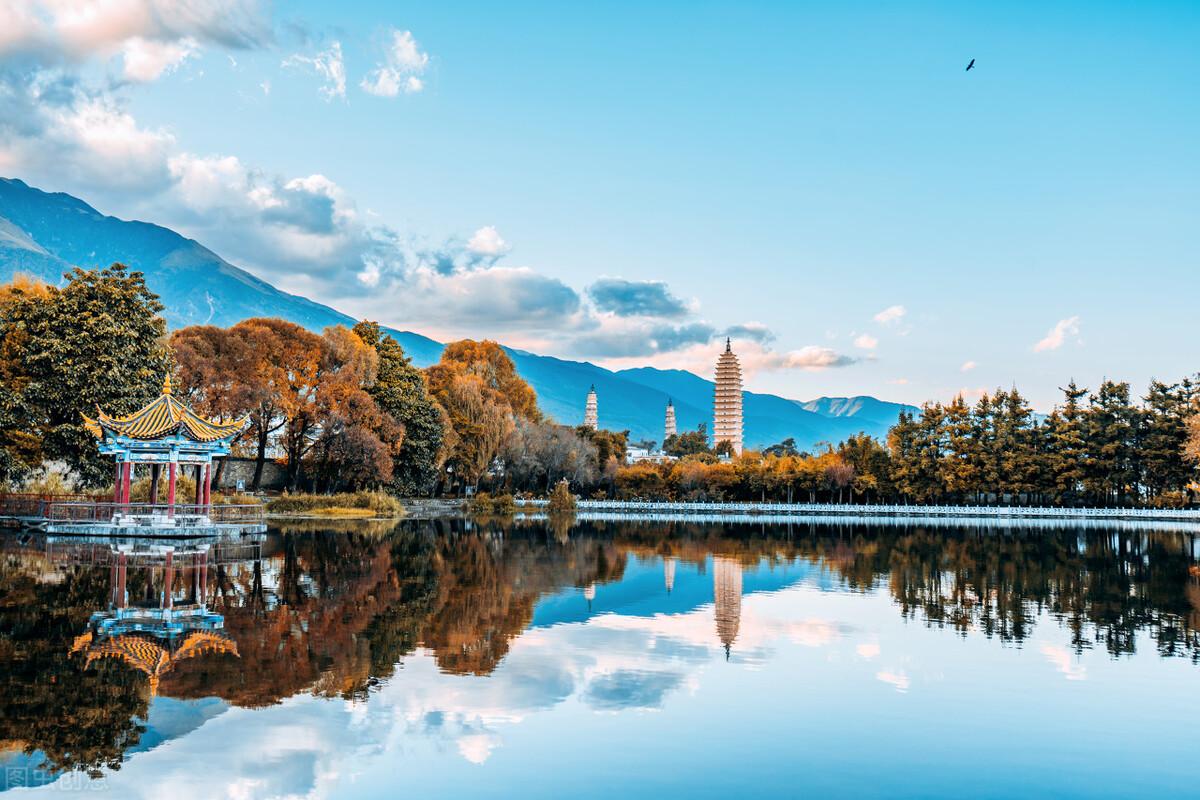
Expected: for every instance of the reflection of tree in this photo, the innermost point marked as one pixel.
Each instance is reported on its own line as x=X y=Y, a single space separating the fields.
x=1105 y=587
x=331 y=612
x=80 y=719
x=489 y=585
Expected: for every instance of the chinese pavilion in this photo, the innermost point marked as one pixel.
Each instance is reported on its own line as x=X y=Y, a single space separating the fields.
x=165 y=433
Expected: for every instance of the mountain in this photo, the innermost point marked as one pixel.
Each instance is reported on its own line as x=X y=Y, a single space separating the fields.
x=45 y=234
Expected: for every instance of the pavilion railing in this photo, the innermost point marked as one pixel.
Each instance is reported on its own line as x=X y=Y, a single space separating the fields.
x=108 y=512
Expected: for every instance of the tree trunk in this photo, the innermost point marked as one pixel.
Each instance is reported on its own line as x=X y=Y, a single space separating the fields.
x=259 y=460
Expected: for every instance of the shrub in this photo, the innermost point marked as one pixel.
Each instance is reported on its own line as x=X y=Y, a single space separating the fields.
x=484 y=504
x=379 y=504
x=561 y=498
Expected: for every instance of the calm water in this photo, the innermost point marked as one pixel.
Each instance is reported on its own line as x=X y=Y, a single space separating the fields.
x=605 y=660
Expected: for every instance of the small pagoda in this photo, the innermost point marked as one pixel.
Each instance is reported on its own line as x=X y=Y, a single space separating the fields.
x=167 y=437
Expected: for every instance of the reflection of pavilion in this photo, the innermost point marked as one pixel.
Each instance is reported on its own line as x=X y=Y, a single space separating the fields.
x=170 y=621
x=727 y=595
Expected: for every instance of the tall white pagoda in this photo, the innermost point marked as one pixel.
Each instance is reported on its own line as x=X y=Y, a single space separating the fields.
x=727 y=401
x=591 y=414
x=669 y=426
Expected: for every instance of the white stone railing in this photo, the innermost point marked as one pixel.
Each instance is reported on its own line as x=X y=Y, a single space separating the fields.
x=892 y=510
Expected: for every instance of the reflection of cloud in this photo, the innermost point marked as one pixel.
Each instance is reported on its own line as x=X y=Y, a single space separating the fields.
x=897 y=679
x=630 y=689
x=309 y=746
x=477 y=748
x=1061 y=659
x=867 y=650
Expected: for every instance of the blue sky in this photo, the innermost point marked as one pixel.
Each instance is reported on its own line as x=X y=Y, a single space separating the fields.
x=786 y=172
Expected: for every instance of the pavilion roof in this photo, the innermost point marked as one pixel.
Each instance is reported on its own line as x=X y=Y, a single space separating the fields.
x=149 y=656
x=164 y=416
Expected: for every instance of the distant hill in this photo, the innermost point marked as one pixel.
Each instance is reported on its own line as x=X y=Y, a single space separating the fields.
x=45 y=234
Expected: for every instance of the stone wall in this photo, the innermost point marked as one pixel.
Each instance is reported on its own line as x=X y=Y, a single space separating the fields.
x=274 y=476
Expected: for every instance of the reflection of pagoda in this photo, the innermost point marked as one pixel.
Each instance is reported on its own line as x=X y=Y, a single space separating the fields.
x=171 y=621
x=727 y=594
x=589 y=594
x=669 y=572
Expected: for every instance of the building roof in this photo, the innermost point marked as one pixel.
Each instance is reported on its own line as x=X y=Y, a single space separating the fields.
x=149 y=656
x=164 y=416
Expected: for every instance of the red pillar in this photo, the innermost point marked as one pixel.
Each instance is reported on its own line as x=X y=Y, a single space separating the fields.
x=126 y=479
x=117 y=482
x=169 y=574
x=203 y=576
x=207 y=486
x=171 y=489
x=121 y=581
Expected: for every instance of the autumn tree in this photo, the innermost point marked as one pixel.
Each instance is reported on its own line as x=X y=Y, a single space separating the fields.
x=478 y=386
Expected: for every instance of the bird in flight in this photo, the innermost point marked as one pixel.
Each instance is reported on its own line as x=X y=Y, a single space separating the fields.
x=969 y=66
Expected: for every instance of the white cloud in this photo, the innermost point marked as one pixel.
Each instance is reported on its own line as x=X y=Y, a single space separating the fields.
x=967 y=366
x=1058 y=335
x=329 y=65
x=891 y=315
x=487 y=242
x=146 y=60
x=148 y=34
x=400 y=70
x=866 y=341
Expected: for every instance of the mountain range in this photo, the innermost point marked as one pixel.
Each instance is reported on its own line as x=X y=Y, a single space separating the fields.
x=46 y=234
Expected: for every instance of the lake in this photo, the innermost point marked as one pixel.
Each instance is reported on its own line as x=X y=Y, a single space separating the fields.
x=607 y=659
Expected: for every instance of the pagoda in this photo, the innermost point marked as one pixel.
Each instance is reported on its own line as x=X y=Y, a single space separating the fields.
x=669 y=425
x=164 y=434
x=591 y=414
x=727 y=599
x=727 y=401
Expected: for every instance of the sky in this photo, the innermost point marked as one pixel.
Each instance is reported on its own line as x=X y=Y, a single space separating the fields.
x=629 y=183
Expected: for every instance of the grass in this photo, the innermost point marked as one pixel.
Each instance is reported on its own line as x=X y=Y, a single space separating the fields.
x=345 y=504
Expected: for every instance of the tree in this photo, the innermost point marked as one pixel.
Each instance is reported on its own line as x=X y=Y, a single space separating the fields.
x=497 y=375
x=97 y=341
x=688 y=443
x=1164 y=435
x=401 y=390
x=478 y=386
x=1110 y=430
x=284 y=367
x=609 y=444
x=785 y=448
x=1191 y=446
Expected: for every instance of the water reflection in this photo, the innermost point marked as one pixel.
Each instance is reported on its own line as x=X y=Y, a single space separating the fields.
x=455 y=636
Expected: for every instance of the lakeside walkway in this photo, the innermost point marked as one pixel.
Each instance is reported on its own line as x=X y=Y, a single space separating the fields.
x=1184 y=519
